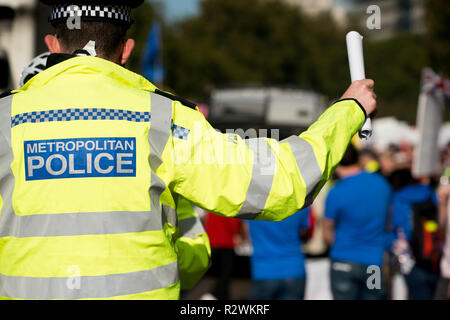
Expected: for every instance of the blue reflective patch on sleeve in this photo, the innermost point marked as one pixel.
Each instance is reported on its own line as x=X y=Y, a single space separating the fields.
x=180 y=132
x=80 y=158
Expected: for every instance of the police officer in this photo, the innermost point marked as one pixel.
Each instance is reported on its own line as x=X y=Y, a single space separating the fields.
x=192 y=243
x=94 y=160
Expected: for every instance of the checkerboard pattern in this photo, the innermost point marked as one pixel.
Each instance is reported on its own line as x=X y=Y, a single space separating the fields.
x=80 y=114
x=180 y=132
x=110 y=12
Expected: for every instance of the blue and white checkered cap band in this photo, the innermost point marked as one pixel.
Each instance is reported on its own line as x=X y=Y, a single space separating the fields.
x=121 y=13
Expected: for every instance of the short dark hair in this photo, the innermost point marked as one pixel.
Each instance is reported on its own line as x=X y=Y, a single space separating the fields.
x=351 y=157
x=401 y=178
x=107 y=36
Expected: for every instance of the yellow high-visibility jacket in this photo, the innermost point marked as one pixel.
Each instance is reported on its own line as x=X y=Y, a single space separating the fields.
x=93 y=164
x=192 y=245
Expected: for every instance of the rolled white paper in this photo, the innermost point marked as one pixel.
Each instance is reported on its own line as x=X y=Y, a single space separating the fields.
x=357 y=71
x=355 y=55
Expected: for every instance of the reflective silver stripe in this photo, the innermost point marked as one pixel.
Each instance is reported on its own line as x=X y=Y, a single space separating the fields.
x=190 y=227
x=160 y=128
x=170 y=215
x=75 y=224
x=307 y=164
x=83 y=223
x=72 y=224
x=158 y=137
x=88 y=287
x=264 y=165
x=5 y=119
x=7 y=180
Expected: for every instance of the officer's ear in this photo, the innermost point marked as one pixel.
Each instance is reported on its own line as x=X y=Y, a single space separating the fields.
x=127 y=49
x=53 y=44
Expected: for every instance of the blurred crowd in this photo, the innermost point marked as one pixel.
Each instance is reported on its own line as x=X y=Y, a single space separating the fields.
x=373 y=221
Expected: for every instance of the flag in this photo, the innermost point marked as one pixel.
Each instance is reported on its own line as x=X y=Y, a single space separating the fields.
x=433 y=81
x=152 y=62
x=429 y=119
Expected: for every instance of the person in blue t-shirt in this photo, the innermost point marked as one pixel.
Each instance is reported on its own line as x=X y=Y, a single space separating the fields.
x=356 y=212
x=423 y=278
x=278 y=263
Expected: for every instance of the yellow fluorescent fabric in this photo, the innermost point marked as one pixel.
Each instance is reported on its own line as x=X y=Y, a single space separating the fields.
x=194 y=259
x=171 y=292
x=214 y=170
x=93 y=255
x=192 y=245
x=331 y=134
x=209 y=170
x=220 y=173
x=86 y=82
x=78 y=87
x=57 y=196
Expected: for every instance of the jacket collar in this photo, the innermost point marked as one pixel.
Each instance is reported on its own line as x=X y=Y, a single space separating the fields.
x=89 y=65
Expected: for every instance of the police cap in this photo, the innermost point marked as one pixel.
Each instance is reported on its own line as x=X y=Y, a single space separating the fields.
x=117 y=11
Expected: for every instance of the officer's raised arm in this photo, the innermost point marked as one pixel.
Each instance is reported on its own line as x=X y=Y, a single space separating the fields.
x=262 y=178
x=94 y=158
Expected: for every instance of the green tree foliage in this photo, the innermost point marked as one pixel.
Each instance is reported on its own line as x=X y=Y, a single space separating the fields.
x=438 y=40
x=235 y=42
x=396 y=65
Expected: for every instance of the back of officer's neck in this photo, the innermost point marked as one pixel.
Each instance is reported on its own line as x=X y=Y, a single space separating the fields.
x=116 y=58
